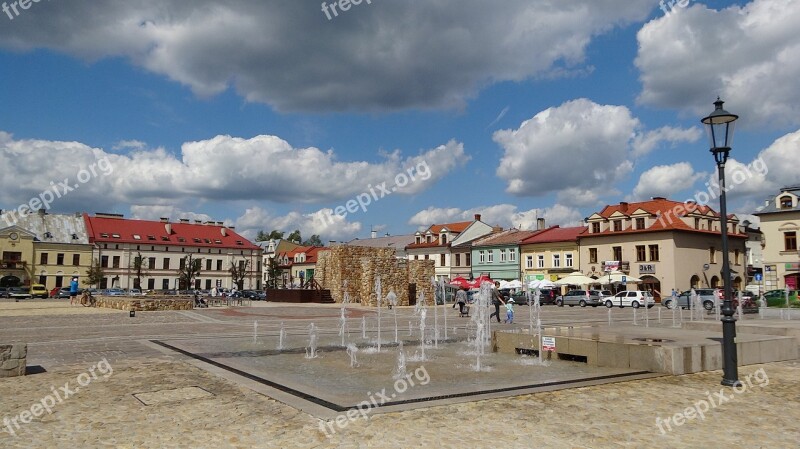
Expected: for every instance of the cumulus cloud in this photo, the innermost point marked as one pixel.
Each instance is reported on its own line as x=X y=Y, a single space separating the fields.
x=222 y=168
x=749 y=55
x=594 y=138
x=646 y=142
x=505 y=215
x=384 y=56
x=321 y=222
x=665 y=180
x=174 y=213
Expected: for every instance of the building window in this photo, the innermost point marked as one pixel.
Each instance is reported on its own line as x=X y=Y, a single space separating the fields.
x=490 y=257
x=654 y=256
x=512 y=255
x=181 y=263
x=166 y=266
x=43 y=259
x=442 y=260
x=151 y=284
x=481 y=257
x=556 y=260
x=786 y=202
x=568 y=260
x=104 y=261
x=60 y=259
x=595 y=228
x=43 y=280
x=696 y=223
x=468 y=257
x=790 y=241
x=502 y=255
x=76 y=259
x=115 y=262
x=416 y=257
x=640 y=223
x=592 y=255
x=710 y=224
x=641 y=254
x=208 y=284
x=59 y=281
x=712 y=255
x=540 y=261
x=443 y=239
x=617 y=225
x=458 y=260
x=617 y=253
x=208 y=265
x=528 y=261
x=165 y=284
x=736 y=257
x=151 y=263
x=219 y=265
x=426 y=257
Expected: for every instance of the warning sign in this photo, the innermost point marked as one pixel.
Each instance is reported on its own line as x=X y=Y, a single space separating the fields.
x=549 y=344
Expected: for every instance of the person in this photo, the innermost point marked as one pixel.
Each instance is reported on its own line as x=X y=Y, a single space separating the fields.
x=497 y=299
x=391 y=299
x=510 y=311
x=73 y=290
x=461 y=300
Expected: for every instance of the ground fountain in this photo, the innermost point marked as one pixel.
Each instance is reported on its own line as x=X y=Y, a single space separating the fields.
x=378 y=297
x=351 y=352
x=281 y=338
x=311 y=350
x=255 y=332
x=400 y=370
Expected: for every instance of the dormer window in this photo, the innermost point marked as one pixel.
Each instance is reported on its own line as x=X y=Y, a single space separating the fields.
x=196 y=240
x=640 y=223
x=151 y=237
x=239 y=242
x=443 y=239
x=165 y=238
x=137 y=237
x=428 y=238
x=116 y=236
x=418 y=239
x=785 y=202
x=696 y=223
x=617 y=225
x=595 y=228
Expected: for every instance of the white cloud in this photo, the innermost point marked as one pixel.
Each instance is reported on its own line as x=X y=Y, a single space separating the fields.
x=749 y=55
x=594 y=138
x=646 y=142
x=172 y=212
x=321 y=222
x=505 y=215
x=665 y=181
x=386 y=56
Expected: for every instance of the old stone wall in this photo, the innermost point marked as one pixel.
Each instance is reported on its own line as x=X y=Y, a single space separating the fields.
x=361 y=266
x=13 y=360
x=144 y=304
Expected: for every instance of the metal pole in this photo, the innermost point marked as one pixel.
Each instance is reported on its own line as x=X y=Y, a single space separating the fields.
x=730 y=376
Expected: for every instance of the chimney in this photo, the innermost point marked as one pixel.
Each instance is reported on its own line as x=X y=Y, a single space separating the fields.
x=539 y=224
x=623 y=206
x=164 y=219
x=477 y=217
x=224 y=232
x=373 y=234
x=42 y=212
x=168 y=228
x=184 y=220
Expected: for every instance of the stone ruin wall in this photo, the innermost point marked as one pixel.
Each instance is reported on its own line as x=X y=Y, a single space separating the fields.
x=360 y=266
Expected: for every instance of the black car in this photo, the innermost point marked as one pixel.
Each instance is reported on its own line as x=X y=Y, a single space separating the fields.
x=254 y=295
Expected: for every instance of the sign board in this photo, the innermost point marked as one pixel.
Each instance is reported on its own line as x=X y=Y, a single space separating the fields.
x=624 y=280
x=792 y=266
x=759 y=277
x=647 y=268
x=549 y=344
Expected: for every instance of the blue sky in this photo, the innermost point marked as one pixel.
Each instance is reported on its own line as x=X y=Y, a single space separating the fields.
x=268 y=115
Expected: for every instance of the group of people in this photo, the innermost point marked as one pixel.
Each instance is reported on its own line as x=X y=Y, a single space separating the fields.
x=497 y=301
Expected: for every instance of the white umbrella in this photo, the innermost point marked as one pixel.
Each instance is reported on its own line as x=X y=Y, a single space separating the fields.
x=576 y=278
x=615 y=277
x=543 y=283
x=513 y=284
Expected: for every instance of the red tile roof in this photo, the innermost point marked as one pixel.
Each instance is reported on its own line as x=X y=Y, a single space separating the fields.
x=437 y=229
x=556 y=234
x=122 y=230
x=508 y=237
x=452 y=227
x=311 y=253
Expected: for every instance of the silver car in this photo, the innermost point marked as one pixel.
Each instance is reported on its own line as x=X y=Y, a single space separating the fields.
x=581 y=298
x=708 y=296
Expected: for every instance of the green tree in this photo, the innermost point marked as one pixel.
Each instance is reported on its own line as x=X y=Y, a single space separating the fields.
x=189 y=271
x=274 y=273
x=239 y=272
x=295 y=236
x=273 y=235
x=139 y=270
x=94 y=274
x=314 y=240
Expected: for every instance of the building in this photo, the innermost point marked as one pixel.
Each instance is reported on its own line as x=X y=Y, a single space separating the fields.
x=42 y=248
x=667 y=244
x=780 y=223
x=302 y=263
x=754 y=256
x=436 y=243
x=497 y=255
x=396 y=242
x=270 y=251
x=551 y=254
x=163 y=247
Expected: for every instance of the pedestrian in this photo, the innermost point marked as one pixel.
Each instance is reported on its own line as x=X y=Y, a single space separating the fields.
x=510 y=311
x=73 y=290
x=497 y=299
x=461 y=300
x=391 y=299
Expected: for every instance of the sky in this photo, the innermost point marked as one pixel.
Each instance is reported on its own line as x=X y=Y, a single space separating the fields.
x=340 y=118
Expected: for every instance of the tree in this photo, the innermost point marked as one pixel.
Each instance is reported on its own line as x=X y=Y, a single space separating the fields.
x=189 y=271
x=239 y=272
x=295 y=236
x=314 y=240
x=139 y=270
x=95 y=274
x=274 y=273
x=273 y=235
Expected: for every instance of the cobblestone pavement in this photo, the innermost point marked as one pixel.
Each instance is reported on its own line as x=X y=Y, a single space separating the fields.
x=217 y=413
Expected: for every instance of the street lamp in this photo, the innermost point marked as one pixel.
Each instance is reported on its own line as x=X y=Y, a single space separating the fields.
x=720 y=125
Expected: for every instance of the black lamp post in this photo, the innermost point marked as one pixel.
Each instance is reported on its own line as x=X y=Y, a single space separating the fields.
x=720 y=125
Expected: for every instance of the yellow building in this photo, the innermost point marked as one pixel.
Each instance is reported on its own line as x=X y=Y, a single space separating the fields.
x=550 y=254
x=780 y=224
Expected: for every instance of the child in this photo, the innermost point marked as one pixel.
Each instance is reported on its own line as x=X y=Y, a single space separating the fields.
x=510 y=311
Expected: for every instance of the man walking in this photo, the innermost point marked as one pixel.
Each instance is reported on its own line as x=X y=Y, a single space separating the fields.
x=497 y=299
x=73 y=290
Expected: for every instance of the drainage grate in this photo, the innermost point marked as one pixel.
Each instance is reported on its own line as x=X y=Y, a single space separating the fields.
x=653 y=340
x=169 y=396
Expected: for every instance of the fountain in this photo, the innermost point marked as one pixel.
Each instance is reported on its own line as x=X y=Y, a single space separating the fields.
x=635 y=323
x=311 y=350
x=739 y=310
x=364 y=327
x=609 y=317
x=410 y=329
x=435 y=315
x=422 y=312
x=481 y=321
x=400 y=371
x=255 y=332
x=391 y=299
x=281 y=338
x=378 y=294
x=351 y=352
x=342 y=326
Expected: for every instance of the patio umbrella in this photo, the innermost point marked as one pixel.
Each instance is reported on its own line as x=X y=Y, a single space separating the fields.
x=544 y=283
x=513 y=284
x=615 y=277
x=481 y=279
x=576 y=278
x=460 y=282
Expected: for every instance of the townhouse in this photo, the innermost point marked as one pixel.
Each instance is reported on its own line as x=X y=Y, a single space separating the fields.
x=497 y=255
x=780 y=224
x=551 y=254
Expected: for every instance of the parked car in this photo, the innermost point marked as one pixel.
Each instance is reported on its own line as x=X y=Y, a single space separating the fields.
x=631 y=298
x=581 y=298
x=254 y=295
x=114 y=292
x=19 y=292
x=707 y=298
x=39 y=291
x=3 y=292
x=777 y=298
x=134 y=292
